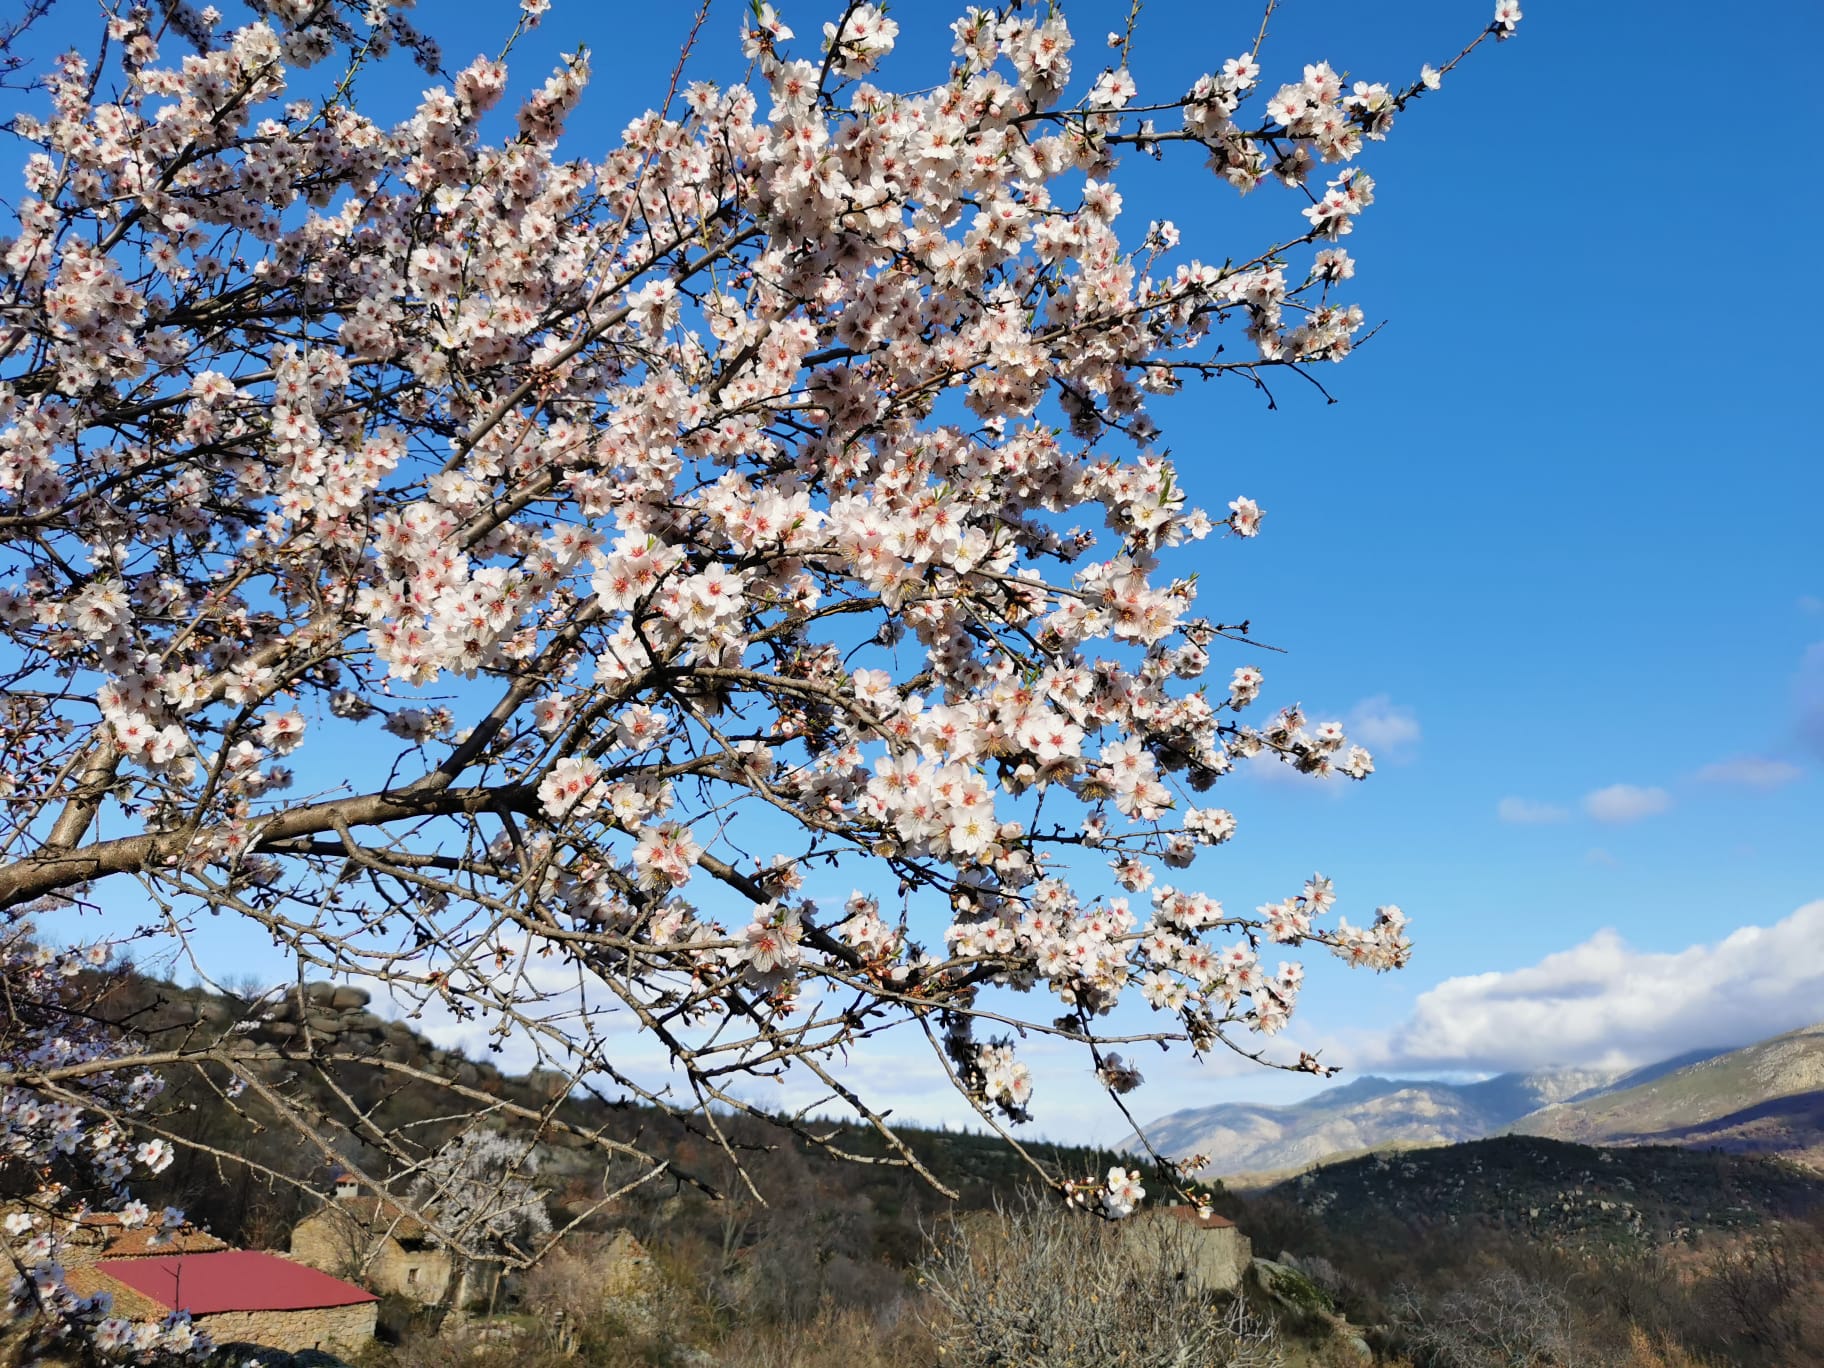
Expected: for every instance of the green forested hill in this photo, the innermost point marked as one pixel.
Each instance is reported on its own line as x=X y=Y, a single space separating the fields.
x=1550 y=1190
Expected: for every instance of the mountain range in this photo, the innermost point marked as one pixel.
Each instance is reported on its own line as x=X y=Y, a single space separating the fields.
x=1765 y=1098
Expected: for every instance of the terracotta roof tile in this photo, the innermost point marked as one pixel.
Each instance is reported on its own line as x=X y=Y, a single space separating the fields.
x=127 y=1303
x=139 y=1244
x=379 y=1214
x=1189 y=1215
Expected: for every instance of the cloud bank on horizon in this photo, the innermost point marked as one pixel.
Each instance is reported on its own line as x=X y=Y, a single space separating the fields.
x=1607 y=1004
x=1600 y=1004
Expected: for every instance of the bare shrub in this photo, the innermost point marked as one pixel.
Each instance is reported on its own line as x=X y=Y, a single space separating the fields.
x=1761 y=1298
x=1500 y=1321
x=1646 y=1350
x=1037 y=1284
x=832 y=1338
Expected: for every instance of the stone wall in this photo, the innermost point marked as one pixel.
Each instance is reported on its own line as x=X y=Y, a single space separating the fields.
x=630 y=1285
x=336 y=1242
x=418 y=1274
x=336 y=1329
x=1222 y=1258
x=1215 y=1256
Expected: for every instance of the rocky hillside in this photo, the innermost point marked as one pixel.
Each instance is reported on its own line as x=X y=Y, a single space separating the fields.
x=352 y=1102
x=1570 y=1196
x=1767 y=1098
x=1244 y=1141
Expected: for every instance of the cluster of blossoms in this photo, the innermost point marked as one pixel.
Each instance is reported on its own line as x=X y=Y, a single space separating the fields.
x=1006 y=1081
x=1122 y=1193
x=732 y=472
x=82 y=1153
x=1117 y=1195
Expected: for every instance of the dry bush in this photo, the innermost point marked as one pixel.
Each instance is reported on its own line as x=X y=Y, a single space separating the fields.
x=1646 y=1350
x=1039 y=1285
x=1500 y=1321
x=566 y=1280
x=459 y=1350
x=832 y=1339
x=1762 y=1299
x=611 y=1345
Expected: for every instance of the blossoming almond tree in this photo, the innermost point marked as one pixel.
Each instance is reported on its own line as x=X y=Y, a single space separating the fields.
x=504 y=576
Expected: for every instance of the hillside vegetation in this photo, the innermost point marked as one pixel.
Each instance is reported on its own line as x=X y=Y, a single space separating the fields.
x=1530 y=1251
x=249 y=1178
x=1643 y=1257
x=1569 y=1195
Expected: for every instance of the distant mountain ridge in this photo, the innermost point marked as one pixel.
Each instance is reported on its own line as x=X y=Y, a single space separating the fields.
x=1765 y=1098
x=1367 y=1114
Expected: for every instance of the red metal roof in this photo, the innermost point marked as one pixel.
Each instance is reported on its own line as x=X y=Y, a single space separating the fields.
x=236 y=1280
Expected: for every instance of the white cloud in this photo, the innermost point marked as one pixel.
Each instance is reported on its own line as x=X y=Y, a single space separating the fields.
x=1605 y=1004
x=1750 y=771
x=1626 y=803
x=1527 y=812
x=1270 y=770
x=1811 y=605
x=1384 y=726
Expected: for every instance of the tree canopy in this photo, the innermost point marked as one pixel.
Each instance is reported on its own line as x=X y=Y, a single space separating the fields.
x=505 y=576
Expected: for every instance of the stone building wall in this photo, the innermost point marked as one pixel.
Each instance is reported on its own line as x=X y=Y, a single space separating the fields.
x=1171 y=1240
x=419 y=1274
x=338 y=1243
x=336 y=1329
x=1222 y=1258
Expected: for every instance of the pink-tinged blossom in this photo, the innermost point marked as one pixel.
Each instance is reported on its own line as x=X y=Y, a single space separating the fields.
x=570 y=785
x=1007 y=1080
x=1334 y=264
x=769 y=943
x=864 y=36
x=1113 y=89
x=155 y=1155
x=282 y=733
x=1123 y=1194
x=665 y=855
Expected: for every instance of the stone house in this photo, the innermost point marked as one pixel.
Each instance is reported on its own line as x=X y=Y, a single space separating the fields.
x=1206 y=1247
x=239 y=1296
x=98 y=1235
x=376 y=1242
x=628 y=1282
x=628 y=1274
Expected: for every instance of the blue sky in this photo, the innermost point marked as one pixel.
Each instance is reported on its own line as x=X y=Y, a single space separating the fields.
x=1559 y=534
